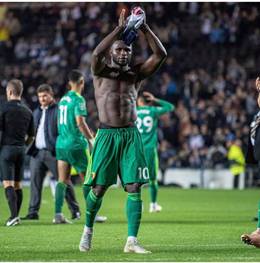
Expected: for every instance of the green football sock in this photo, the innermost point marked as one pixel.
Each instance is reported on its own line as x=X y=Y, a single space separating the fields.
x=93 y=205
x=86 y=189
x=134 y=213
x=153 y=187
x=258 y=222
x=59 y=196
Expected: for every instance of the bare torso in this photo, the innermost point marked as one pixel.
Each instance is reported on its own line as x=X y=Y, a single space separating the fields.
x=116 y=94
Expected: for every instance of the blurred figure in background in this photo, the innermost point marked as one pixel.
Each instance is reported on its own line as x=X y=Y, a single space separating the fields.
x=236 y=159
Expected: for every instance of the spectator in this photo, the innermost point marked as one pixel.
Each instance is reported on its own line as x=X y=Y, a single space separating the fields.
x=236 y=159
x=215 y=83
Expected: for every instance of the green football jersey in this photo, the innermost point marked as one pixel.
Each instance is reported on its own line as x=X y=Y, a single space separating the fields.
x=147 y=121
x=71 y=105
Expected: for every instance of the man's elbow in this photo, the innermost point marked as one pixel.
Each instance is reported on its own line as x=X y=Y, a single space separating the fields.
x=164 y=54
x=96 y=54
x=161 y=56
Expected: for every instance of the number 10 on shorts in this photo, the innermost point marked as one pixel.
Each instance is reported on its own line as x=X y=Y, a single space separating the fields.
x=143 y=173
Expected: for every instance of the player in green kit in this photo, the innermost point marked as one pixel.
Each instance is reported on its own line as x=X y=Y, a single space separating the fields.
x=118 y=148
x=72 y=141
x=147 y=124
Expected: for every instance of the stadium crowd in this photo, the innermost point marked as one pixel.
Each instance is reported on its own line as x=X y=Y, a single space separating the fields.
x=213 y=57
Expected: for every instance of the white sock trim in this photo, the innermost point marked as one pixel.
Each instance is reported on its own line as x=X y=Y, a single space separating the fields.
x=131 y=238
x=88 y=230
x=58 y=214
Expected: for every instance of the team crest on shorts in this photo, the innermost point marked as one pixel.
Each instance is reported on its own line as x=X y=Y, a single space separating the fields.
x=93 y=175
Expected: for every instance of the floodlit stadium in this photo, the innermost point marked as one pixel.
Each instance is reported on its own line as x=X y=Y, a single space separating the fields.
x=129 y=131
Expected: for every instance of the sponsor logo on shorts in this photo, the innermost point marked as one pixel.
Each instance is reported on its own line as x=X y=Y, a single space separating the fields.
x=93 y=175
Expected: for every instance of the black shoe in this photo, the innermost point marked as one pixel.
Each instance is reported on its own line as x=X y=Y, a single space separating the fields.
x=75 y=216
x=255 y=218
x=31 y=217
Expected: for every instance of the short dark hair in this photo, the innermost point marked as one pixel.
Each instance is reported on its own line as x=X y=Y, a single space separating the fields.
x=142 y=97
x=75 y=75
x=17 y=87
x=45 y=88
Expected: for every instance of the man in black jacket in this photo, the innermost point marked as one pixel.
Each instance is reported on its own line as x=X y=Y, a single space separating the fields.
x=16 y=130
x=42 y=153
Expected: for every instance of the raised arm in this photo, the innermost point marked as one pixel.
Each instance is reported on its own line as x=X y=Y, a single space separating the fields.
x=98 y=55
x=157 y=58
x=163 y=105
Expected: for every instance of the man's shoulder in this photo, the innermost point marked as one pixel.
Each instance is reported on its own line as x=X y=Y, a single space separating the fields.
x=26 y=108
x=3 y=105
x=72 y=97
x=147 y=108
x=53 y=107
x=67 y=98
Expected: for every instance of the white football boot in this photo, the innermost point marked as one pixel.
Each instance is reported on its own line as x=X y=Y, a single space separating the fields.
x=85 y=241
x=132 y=246
x=154 y=208
x=100 y=219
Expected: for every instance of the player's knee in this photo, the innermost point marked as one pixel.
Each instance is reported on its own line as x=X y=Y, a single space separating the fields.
x=65 y=180
x=99 y=190
x=133 y=188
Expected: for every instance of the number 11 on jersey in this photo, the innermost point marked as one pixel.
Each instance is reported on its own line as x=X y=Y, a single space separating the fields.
x=63 y=114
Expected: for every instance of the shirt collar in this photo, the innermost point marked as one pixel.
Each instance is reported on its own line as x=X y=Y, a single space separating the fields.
x=44 y=108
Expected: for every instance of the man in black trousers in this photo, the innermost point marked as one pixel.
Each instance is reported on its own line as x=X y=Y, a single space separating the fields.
x=16 y=131
x=42 y=152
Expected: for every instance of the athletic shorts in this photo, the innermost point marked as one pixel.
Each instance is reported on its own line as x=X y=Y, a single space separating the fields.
x=151 y=157
x=78 y=158
x=117 y=151
x=12 y=162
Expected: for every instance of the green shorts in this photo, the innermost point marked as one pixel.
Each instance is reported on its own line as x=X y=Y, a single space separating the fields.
x=117 y=151
x=78 y=158
x=151 y=157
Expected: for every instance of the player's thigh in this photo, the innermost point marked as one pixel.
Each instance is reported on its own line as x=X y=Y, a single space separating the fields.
x=151 y=157
x=78 y=158
x=7 y=163
x=62 y=154
x=133 y=164
x=104 y=161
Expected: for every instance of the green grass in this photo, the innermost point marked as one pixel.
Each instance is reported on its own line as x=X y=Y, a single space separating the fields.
x=195 y=225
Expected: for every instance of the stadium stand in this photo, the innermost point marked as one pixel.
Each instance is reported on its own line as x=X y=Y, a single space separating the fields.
x=213 y=60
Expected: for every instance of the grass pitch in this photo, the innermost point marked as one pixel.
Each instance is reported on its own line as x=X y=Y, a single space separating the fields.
x=195 y=225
